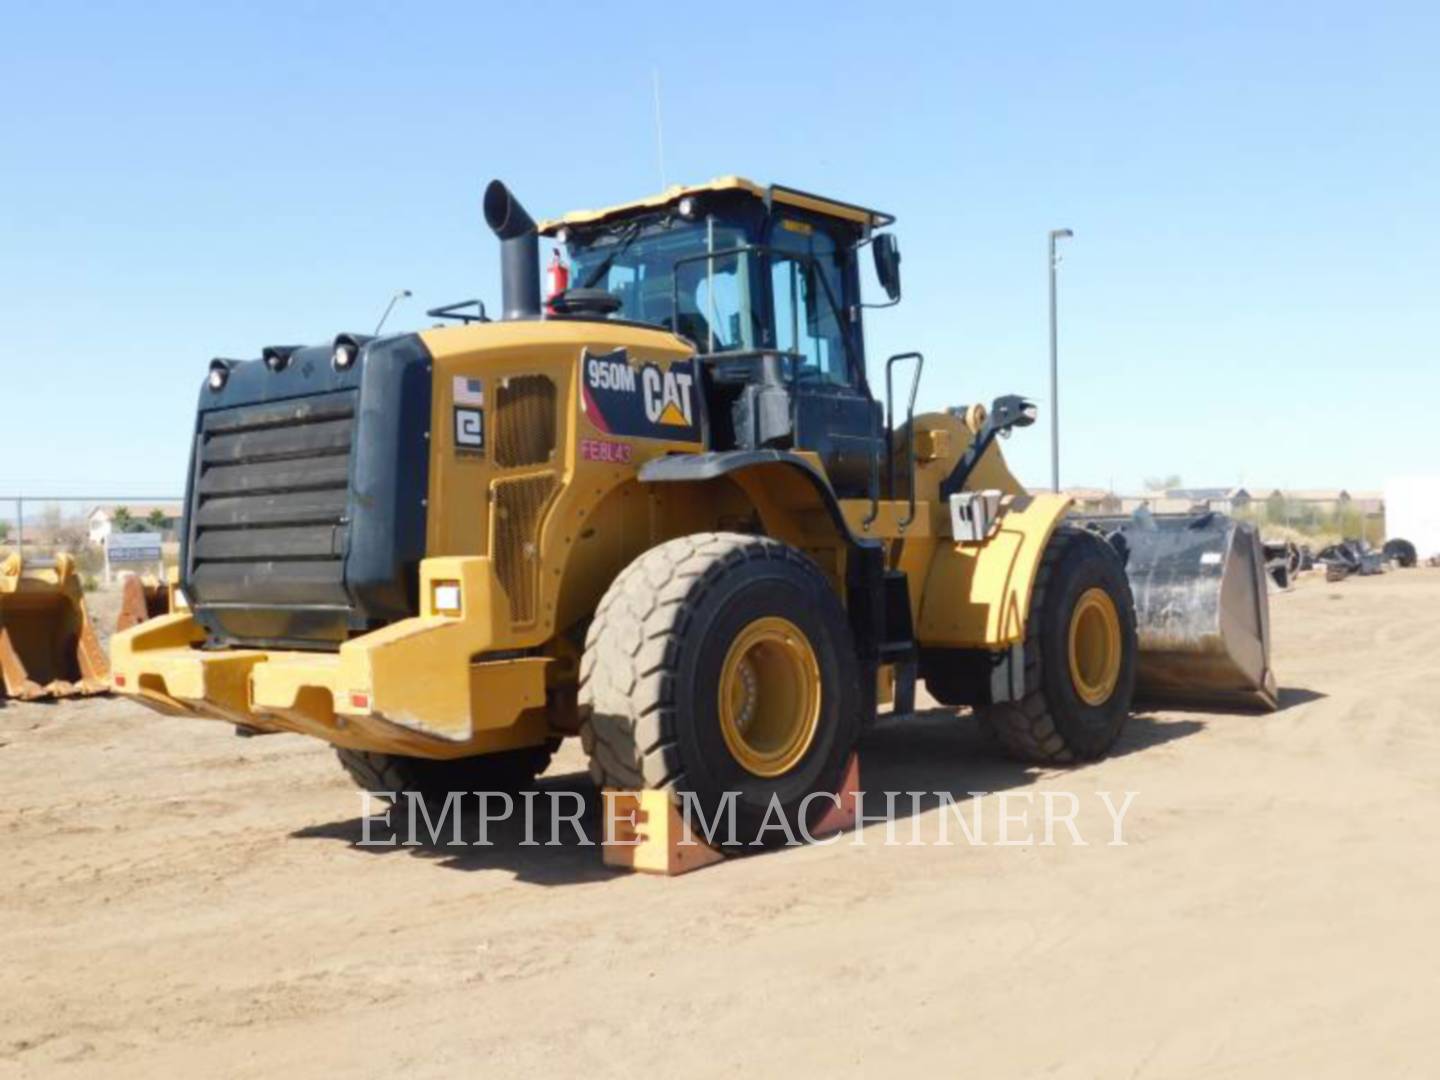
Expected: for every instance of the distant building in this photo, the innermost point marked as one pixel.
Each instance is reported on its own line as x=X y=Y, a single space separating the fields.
x=1323 y=500
x=1192 y=500
x=1299 y=506
x=100 y=520
x=1094 y=500
x=1369 y=503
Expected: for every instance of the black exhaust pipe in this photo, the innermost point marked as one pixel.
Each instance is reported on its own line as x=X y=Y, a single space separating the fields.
x=519 y=252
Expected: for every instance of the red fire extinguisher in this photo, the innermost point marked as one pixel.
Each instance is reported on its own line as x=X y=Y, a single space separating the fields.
x=557 y=279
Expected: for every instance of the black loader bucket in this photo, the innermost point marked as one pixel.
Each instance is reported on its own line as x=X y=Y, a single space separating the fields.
x=1201 y=608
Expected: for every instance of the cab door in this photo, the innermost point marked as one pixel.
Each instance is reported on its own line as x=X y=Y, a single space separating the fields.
x=835 y=416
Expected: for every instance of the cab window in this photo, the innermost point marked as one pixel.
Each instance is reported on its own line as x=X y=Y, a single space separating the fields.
x=660 y=274
x=803 y=261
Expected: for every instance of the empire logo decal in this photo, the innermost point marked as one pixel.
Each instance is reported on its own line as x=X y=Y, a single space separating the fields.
x=648 y=402
x=468 y=393
x=469 y=431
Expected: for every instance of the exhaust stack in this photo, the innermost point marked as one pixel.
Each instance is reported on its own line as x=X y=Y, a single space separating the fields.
x=519 y=252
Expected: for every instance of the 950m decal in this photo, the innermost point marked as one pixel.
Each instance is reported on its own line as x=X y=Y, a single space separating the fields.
x=644 y=402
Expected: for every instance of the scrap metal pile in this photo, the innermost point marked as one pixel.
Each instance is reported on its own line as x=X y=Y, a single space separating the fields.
x=1349 y=557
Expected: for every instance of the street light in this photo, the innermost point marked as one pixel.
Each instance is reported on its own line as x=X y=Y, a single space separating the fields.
x=1055 y=234
x=403 y=294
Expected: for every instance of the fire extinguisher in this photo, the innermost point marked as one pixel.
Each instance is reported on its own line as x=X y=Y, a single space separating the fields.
x=557 y=279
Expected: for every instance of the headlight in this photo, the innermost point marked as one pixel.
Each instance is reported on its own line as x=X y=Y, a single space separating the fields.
x=277 y=358
x=445 y=597
x=219 y=375
x=344 y=355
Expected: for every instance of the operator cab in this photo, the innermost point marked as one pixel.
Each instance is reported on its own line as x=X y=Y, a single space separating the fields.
x=765 y=282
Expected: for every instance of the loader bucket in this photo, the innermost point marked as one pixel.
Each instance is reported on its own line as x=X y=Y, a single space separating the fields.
x=47 y=645
x=1201 y=607
x=141 y=599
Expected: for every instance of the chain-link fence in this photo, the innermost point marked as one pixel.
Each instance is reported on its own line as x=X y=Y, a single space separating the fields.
x=40 y=527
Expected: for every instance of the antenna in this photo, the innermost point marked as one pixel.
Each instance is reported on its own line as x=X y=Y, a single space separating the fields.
x=659 y=127
x=403 y=294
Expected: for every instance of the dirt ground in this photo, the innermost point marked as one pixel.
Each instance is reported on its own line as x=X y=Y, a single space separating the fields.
x=178 y=901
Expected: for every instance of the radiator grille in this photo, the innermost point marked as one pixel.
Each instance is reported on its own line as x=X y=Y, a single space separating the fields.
x=520 y=505
x=267 y=522
x=524 y=421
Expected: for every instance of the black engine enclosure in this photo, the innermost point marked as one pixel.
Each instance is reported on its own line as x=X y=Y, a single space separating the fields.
x=306 y=503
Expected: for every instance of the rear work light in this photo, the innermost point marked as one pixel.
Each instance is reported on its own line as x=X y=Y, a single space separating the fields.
x=445 y=597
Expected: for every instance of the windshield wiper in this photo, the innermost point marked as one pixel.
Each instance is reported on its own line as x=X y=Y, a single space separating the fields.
x=621 y=246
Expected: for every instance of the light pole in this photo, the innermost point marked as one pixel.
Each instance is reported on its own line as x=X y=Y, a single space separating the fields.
x=1055 y=234
x=403 y=294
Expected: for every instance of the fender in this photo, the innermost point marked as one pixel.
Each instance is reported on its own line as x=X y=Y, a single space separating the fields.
x=717 y=463
x=863 y=579
x=977 y=596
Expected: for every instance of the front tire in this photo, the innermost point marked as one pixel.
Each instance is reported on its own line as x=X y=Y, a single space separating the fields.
x=1080 y=656
x=718 y=663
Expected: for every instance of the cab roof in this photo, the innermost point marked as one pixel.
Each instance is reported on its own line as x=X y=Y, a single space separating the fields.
x=775 y=193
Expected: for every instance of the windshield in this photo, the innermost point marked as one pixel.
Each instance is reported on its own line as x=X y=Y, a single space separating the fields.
x=705 y=300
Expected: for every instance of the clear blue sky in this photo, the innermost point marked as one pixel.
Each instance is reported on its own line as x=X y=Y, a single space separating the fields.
x=1255 y=190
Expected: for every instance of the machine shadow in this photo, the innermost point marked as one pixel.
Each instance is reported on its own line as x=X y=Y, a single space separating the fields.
x=1289 y=698
x=931 y=752
x=936 y=752
x=551 y=852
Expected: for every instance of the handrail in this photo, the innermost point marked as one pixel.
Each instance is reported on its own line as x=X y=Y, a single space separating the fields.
x=452 y=311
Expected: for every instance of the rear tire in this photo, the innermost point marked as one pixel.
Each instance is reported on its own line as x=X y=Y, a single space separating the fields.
x=507 y=770
x=722 y=662
x=1080 y=656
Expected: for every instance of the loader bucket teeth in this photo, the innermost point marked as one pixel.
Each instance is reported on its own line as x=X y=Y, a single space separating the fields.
x=48 y=647
x=1202 y=609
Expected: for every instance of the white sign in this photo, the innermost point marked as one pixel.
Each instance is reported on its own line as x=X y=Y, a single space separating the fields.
x=1412 y=512
x=133 y=547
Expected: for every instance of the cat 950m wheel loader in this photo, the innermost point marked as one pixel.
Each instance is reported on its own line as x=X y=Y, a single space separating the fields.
x=661 y=509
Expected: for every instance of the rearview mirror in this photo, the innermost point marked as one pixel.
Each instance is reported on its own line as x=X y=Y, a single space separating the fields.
x=887 y=264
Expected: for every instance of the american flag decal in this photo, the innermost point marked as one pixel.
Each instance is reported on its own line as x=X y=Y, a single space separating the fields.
x=468 y=391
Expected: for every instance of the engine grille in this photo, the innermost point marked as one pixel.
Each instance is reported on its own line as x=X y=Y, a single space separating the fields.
x=524 y=421
x=520 y=504
x=268 y=525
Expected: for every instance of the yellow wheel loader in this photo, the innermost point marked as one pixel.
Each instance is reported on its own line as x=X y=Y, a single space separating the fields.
x=661 y=508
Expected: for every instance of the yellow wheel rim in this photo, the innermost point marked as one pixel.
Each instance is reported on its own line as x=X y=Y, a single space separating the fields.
x=1095 y=649
x=769 y=696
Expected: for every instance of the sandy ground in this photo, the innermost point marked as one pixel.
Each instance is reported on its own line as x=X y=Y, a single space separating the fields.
x=175 y=900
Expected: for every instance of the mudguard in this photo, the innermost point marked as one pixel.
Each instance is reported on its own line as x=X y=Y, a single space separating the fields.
x=711 y=465
x=977 y=595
